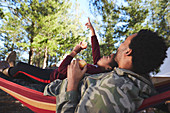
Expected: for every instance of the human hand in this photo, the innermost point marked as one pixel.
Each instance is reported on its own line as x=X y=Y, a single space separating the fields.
x=77 y=48
x=82 y=63
x=74 y=75
x=89 y=25
x=80 y=46
x=83 y=44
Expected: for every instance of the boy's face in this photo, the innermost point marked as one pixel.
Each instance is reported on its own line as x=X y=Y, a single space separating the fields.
x=106 y=62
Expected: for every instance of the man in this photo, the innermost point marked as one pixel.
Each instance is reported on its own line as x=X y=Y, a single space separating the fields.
x=119 y=91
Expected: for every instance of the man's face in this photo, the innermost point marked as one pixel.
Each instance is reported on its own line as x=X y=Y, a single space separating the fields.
x=123 y=48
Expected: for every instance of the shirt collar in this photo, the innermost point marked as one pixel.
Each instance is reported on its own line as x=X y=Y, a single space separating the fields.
x=122 y=72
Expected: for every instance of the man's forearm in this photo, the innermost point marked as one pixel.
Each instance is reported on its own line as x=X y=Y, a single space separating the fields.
x=72 y=85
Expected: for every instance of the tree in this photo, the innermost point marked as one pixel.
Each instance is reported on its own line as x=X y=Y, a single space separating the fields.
x=44 y=27
x=121 y=18
x=1 y=14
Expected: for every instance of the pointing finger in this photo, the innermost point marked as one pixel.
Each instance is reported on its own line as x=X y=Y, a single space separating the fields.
x=89 y=20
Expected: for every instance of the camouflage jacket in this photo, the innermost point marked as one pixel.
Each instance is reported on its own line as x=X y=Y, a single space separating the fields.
x=118 y=91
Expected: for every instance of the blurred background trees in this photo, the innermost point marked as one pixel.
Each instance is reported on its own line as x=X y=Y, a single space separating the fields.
x=46 y=30
x=120 y=18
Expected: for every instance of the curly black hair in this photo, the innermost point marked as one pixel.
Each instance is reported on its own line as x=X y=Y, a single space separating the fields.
x=148 y=51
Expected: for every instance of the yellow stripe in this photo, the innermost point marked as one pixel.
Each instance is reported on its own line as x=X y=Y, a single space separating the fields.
x=167 y=102
x=35 y=103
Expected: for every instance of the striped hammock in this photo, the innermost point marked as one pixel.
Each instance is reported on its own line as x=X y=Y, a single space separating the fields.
x=37 y=102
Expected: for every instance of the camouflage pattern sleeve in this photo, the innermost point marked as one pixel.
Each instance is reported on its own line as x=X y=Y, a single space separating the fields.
x=65 y=101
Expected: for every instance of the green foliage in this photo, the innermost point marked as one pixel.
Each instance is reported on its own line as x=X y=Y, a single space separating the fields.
x=33 y=25
x=1 y=14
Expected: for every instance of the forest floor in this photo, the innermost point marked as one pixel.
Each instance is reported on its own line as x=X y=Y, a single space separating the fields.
x=8 y=104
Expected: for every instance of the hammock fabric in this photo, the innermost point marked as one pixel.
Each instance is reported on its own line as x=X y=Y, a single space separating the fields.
x=37 y=102
x=34 y=100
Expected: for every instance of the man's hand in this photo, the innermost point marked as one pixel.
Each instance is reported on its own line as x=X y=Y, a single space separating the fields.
x=74 y=75
x=89 y=25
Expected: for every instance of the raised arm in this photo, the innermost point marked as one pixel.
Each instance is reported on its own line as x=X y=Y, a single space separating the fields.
x=95 y=43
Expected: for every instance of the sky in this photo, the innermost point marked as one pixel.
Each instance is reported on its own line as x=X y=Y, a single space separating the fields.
x=165 y=68
x=84 y=7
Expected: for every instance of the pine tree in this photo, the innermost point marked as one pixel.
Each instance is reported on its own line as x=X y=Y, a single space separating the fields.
x=42 y=27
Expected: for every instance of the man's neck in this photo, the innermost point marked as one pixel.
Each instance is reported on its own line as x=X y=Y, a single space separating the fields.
x=126 y=64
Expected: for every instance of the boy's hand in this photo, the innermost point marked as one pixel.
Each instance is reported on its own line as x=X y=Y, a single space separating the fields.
x=89 y=25
x=83 y=44
x=79 y=47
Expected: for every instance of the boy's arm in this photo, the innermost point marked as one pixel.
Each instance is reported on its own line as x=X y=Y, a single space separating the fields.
x=95 y=43
x=95 y=49
x=62 y=69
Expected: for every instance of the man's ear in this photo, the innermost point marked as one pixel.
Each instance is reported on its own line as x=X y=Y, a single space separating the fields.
x=129 y=52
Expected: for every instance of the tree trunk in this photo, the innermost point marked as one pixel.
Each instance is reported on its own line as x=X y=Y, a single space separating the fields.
x=30 y=56
x=45 y=58
x=38 y=59
x=30 y=52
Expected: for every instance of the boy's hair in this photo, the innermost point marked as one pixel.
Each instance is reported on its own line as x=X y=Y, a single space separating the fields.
x=148 y=51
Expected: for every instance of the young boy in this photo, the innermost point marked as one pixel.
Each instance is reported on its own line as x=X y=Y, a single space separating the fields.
x=104 y=64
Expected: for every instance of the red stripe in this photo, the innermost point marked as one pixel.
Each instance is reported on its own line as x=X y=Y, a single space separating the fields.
x=154 y=100
x=27 y=92
x=31 y=76
x=35 y=109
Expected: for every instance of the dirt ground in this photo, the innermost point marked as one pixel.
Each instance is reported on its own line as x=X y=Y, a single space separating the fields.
x=8 y=104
